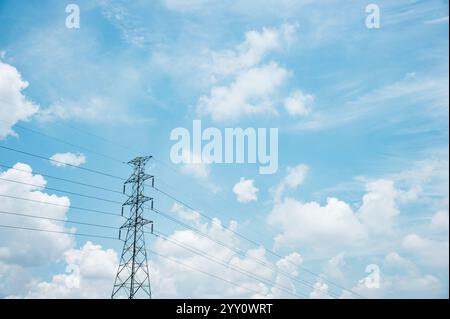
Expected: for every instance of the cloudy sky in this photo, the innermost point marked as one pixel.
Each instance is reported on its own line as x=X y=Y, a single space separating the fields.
x=361 y=190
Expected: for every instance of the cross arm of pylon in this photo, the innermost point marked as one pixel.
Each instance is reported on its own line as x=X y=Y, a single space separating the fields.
x=135 y=177
x=133 y=200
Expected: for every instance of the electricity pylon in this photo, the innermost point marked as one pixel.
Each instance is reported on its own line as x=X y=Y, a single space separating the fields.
x=132 y=279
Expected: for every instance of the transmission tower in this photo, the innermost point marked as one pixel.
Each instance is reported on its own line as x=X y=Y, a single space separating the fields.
x=132 y=279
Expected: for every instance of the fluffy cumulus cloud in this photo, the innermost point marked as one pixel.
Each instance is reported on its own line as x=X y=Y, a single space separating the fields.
x=379 y=207
x=14 y=105
x=31 y=248
x=337 y=223
x=64 y=159
x=416 y=261
x=249 y=94
x=178 y=269
x=20 y=249
x=245 y=190
x=244 y=83
x=331 y=226
x=90 y=273
x=89 y=270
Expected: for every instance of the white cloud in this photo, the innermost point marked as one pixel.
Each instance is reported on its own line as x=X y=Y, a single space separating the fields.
x=419 y=284
x=249 y=94
x=186 y=214
x=63 y=159
x=20 y=249
x=13 y=279
x=245 y=190
x=194 y=166
x=90 y=273
x=287 y=265
x=129 y=25
x=13 y=103
x=24 y=247
x=298 y=103
x=243 y=84
x=438 y=20
x=333 y=267
x=400 y=278
x=187 y=5
x=393 y=261
x=427 y=251
x=333 y=226
x=428 y=94
x=93 y=108
x=407 y=279
x=430 y=176
x=379 y=207
x=294 y=178
x=320 y=291
x=440 y=221
x=251 y=52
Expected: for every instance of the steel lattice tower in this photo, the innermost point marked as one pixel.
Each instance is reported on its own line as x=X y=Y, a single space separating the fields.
x=132 y=279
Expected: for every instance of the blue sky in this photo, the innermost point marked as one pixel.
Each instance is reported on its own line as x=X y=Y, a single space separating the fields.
x=363 y=147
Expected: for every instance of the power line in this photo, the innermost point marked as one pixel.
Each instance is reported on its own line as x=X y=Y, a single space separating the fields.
x=62 y=163
x=239 y=251
x=212 y=220
x=60 y=205
x=223 y=263
x=238 y=234
x=96 y=136
x=62 y=191
x=150 y=251
x=56 y=231
x=202 y=271
x=60 y=140
x=56 y=219
x=114 y=238
x=63 y=179
x=181 y=202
